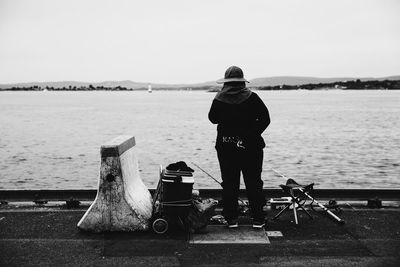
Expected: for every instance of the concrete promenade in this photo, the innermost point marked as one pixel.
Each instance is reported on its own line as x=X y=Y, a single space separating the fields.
x=48 y=236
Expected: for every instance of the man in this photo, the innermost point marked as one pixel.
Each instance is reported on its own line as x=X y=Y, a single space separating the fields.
x=242 y=117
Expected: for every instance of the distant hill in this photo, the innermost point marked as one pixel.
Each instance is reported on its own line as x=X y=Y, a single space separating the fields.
x=292 y=80
x=258 y=82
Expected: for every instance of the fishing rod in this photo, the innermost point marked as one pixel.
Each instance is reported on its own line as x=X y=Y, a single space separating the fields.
x=209 y=175
x=340 y=221
x=212 y=177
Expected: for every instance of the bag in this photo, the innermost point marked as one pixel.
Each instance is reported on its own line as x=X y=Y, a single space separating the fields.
x=200 y=213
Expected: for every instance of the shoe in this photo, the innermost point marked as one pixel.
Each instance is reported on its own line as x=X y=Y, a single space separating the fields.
x=232 y=223
x=258 y=224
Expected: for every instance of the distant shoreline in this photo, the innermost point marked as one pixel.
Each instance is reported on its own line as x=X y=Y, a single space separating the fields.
x=341 y=85
x=373 y=85
x=197 y=90
x=268 y=83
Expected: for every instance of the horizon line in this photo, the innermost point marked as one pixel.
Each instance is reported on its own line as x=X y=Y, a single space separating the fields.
x=209 y=81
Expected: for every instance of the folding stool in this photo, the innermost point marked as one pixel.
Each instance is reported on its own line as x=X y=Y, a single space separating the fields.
x=298 y=194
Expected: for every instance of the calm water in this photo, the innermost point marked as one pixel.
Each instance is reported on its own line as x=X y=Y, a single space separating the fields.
x=341 y=139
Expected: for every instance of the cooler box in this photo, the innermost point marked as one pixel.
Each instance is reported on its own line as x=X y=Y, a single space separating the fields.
x=176 y=197
x=177 y=189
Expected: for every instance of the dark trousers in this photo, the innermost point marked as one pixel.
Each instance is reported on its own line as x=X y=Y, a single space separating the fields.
x=233 y=161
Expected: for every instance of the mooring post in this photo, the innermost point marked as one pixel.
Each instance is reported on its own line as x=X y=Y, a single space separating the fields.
x=123 y=202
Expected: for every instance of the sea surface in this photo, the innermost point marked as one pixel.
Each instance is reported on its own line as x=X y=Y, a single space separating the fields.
x=337 y=139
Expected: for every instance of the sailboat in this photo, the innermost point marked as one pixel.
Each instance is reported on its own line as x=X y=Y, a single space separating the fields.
x=149 y=88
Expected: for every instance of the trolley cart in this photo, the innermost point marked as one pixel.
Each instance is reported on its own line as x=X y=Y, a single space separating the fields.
x=171 y=201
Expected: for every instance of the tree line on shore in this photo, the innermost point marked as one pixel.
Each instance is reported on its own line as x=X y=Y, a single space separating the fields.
x=69 y=88
x=353 y=85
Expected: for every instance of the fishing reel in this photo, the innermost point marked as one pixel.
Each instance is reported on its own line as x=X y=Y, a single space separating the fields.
x=332 y=204
x=243 y=208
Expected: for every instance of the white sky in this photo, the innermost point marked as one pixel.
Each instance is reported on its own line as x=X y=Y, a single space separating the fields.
x=182 y=41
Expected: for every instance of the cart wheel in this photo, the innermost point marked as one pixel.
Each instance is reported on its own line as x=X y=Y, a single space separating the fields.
x=160 y=226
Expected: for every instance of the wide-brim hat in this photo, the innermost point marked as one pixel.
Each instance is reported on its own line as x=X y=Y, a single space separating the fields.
x=233 y=74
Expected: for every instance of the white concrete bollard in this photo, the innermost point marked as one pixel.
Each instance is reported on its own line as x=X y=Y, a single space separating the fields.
x=123 y=202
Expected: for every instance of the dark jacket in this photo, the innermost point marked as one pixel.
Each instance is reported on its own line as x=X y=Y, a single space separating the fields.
x=245 y=122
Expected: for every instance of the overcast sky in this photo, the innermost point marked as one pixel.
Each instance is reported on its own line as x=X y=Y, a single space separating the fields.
x=181 y=41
